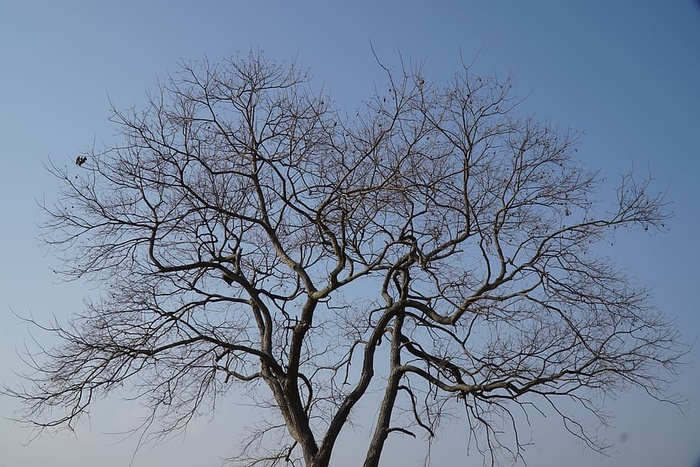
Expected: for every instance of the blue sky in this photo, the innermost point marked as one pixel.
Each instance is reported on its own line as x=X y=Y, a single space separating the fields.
x=625 y=73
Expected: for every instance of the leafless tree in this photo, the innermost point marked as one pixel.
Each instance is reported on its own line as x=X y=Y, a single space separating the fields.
x=435 y=248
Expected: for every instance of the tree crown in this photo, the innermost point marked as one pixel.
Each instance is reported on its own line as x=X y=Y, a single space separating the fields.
x=436 y=246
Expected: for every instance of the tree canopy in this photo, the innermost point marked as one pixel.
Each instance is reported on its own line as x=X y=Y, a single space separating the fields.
x=435 y=246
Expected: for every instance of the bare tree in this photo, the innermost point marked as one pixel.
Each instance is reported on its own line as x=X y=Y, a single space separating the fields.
x=435 y=246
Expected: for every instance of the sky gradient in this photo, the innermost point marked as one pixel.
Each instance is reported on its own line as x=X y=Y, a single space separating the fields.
x=623 y=73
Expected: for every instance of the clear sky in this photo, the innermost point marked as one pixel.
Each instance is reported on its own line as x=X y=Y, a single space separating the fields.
x=624 y=72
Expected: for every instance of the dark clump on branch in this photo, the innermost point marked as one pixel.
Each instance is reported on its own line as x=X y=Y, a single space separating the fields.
x=438 y=221
x=227 y=278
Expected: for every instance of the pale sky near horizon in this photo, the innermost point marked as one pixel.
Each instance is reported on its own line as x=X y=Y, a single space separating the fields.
x=626 y=73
